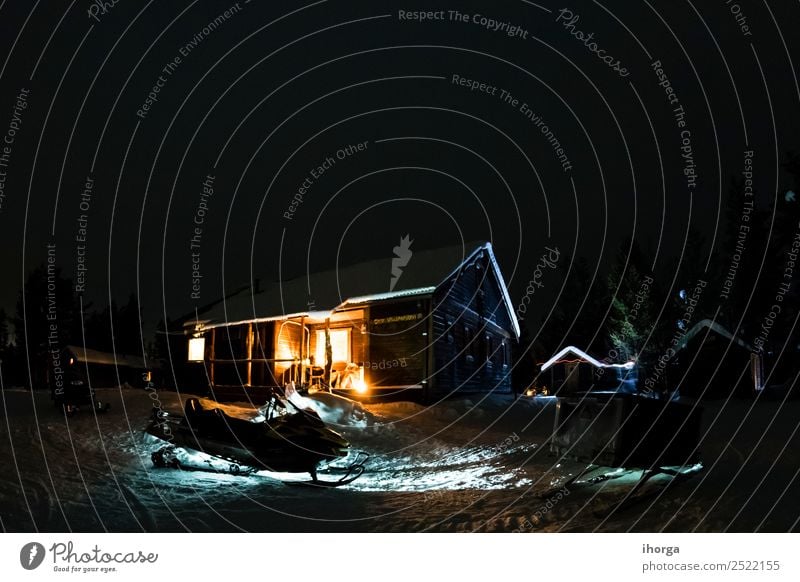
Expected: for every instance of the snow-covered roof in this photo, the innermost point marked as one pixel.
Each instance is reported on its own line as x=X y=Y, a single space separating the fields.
x=366 y=282
x=89 y=356
x=388 y=295
x=715 y=327
x=581 y=355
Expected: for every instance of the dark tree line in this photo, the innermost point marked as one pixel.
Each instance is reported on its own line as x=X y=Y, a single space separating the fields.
x=24 y=352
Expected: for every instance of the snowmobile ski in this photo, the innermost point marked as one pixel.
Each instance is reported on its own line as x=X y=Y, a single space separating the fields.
x=348 y=474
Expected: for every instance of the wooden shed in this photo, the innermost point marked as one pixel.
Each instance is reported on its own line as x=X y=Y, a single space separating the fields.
x=712 y=362
x=572 y=371
x=444 y=324
x=105 y=369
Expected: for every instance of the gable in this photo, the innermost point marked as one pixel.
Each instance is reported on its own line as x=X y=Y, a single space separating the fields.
x=477 y=287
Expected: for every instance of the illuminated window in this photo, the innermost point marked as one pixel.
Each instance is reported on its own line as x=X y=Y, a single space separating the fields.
x=340 y=346
x=197 y=348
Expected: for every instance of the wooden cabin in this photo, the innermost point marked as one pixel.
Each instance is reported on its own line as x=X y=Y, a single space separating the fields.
x=443 y=325
x=711 y=362
x=573 y=371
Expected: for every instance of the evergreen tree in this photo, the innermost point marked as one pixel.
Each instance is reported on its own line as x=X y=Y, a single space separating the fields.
x=97 y=329
x=44 y=321
x=631 y=319
x=577 y=316
x=127 y=328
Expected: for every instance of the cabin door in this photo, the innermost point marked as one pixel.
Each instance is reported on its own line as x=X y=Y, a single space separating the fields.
x=572 y=380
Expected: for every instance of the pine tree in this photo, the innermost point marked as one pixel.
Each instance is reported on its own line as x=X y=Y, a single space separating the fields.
x=127 y=328
x=44 y=321
x=630 y=321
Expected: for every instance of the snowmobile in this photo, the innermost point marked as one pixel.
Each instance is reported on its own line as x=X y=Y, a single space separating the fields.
x=289 y=439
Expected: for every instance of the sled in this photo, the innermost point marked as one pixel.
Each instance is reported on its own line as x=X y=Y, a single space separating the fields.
x=593 y=475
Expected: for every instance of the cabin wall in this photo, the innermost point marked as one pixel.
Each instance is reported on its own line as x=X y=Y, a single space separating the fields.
x=181 y=373
x=397 y=343
x=230 y=355
x=713 y=368
x=263 y=371
x=472 y=333
x=565 y=378
x=238 y=360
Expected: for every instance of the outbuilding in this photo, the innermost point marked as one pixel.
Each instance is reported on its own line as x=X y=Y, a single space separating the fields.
x=712 y=362
x=572 y=371
x=100 y=369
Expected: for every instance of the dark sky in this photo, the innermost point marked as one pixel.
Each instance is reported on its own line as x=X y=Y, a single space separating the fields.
x=262 y=98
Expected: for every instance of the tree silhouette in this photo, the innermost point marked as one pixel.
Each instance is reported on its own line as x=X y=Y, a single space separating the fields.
x=45 y=320
x=633 y=312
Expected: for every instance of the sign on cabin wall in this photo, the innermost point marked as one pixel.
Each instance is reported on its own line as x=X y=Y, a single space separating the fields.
x=397 y=318
x=397 y=345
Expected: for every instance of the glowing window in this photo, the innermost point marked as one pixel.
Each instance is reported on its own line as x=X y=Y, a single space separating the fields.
x=340 y=346
x=197 y=348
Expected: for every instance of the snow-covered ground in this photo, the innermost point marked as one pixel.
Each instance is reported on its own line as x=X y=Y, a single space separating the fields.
x=461 y=465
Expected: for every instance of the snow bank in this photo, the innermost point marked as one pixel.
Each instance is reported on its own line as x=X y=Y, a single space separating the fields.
x=337 y=410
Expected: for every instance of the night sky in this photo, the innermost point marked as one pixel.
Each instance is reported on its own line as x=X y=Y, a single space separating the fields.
x=154 y=140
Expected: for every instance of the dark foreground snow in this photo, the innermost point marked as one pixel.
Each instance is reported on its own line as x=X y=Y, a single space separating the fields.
x=461 y=465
